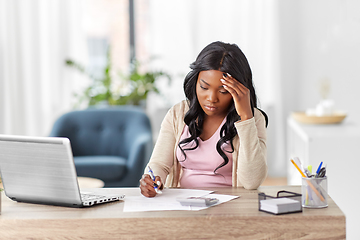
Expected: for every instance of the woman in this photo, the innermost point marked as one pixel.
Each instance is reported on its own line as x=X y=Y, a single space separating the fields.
x=217 y=137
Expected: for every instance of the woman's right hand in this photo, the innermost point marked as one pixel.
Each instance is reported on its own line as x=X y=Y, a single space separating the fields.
x=147 y=185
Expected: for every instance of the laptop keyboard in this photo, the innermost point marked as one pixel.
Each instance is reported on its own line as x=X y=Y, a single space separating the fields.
x=90 y=197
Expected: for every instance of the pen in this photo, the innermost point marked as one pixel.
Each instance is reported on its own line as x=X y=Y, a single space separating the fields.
x=156 y=187
x=322 y=172
x=309 y=183
x=318 y=170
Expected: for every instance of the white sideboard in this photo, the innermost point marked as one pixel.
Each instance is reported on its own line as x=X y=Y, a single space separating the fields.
x=338 y=146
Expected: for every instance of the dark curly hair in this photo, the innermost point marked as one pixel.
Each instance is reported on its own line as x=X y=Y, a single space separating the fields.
x=227 y=58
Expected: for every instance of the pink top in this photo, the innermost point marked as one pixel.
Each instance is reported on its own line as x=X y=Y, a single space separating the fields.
x=200 y=163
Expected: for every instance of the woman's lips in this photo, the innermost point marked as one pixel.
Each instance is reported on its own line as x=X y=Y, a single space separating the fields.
x=210 y=108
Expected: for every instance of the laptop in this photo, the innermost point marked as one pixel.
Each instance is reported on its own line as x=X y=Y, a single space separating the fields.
x=42 y=170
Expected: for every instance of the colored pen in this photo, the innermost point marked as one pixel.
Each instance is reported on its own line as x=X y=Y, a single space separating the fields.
x=318 y=170
x=156 y=187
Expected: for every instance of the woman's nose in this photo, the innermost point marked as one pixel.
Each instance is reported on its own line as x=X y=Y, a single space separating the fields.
x=212 y=96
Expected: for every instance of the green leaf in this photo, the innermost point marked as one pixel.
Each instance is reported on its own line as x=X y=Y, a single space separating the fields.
x=140 y=83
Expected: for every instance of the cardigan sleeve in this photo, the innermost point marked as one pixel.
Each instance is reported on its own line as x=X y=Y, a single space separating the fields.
x=252 y=166
x=162 y=158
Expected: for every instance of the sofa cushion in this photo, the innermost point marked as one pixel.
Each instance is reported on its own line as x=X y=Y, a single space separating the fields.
x=106 y=168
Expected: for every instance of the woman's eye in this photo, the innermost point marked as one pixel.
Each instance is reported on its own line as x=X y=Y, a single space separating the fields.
x=224 y=92
x=203 y=87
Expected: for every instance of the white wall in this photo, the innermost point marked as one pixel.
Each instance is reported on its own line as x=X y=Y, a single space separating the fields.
x=320 y=39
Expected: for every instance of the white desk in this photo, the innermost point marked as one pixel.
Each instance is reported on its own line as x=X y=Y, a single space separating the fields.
x=338 y=146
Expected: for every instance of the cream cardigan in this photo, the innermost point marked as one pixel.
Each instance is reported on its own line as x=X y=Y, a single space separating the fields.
x=249 y=157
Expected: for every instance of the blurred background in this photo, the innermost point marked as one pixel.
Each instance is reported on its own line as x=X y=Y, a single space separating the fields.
x=292 y=47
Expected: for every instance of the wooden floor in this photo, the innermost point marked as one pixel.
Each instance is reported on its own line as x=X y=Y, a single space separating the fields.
x=272 y=181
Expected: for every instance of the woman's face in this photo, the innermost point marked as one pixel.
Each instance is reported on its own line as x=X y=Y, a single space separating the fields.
x=213 y=98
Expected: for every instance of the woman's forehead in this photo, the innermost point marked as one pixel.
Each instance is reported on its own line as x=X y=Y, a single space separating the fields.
x=210 y=77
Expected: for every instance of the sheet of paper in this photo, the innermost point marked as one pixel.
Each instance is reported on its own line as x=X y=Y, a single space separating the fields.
x=167 y=200
x=162 y=202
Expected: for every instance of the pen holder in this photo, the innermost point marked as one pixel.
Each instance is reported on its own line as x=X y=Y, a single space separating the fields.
x=314 y=192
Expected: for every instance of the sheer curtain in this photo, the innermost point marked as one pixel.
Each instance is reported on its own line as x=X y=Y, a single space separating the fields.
x=178 y=32
x=35 y=39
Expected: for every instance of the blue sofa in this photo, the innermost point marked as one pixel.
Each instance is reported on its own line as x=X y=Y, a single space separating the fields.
x=113 y=144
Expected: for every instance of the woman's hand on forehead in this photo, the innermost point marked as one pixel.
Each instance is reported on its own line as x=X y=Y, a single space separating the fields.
x=240 y=94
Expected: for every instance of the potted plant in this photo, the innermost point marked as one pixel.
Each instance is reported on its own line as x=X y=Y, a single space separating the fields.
x=132 y=88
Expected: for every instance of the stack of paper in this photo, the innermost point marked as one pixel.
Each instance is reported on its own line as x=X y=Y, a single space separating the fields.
x=280 y=205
